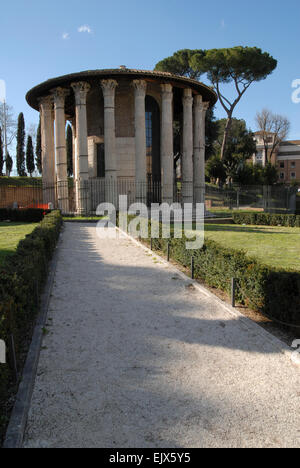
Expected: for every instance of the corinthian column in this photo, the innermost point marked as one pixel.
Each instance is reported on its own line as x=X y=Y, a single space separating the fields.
x=109 y=91
x=140 y=87
x=200 y=109
x=82 y=173
x=48 y=156
x=167 y=157
x=187 y=154
x=59 y=95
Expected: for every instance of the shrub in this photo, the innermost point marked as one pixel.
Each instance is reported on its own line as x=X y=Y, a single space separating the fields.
x=31 y=215
x=274 y=292
x=267 y=219
x=22 y=276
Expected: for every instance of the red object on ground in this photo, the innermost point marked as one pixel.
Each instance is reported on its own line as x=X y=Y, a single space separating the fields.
x=38 y=206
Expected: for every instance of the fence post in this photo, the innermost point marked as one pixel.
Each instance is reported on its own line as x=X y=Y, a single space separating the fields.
x=193 y=268
x=168 y=252
x=233 y=291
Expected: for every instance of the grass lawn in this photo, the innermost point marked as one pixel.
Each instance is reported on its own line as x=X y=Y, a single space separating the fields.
x=11 y=234
x=273 y=246
x=227 y=213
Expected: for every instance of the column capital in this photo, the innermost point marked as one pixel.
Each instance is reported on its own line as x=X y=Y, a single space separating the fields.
x=187 y=98
x=59 y=94
x=80 y=88
x=166 y=90
x=140 y=87
x=108 y=87
x=46 y=103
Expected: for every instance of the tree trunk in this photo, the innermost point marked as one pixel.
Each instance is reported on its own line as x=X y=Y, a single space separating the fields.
x=226 y=133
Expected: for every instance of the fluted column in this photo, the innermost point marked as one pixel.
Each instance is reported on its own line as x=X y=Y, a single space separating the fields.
x=109 y=91
x=140 y=87
x=59 y=95
x=200 y=109
x=82 y=173
x=187 y=153
x=48 y=153
x=167 y=157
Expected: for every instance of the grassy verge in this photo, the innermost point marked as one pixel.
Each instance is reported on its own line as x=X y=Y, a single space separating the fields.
x=82 y=218
x=10 y=236
x=273 y=246
x=22 y=277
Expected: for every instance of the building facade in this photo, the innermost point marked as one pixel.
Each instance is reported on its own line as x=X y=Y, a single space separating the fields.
x=123 y=131
x=286 y=157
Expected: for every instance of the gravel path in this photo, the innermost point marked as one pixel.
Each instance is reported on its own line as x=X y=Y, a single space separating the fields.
x=137 y=357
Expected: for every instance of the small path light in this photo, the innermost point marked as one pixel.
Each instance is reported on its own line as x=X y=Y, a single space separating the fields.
x=233 y=291
x=193 y=267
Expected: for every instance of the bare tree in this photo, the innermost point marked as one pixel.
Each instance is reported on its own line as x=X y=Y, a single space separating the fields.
x=274 y=129
x=9 y=125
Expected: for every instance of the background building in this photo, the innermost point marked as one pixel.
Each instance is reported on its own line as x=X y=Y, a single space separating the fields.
x=286 y=157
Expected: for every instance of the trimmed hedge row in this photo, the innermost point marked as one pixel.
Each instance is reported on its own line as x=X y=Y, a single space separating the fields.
x=266 y=219
x=274 y=292
x=31 y=215
x=21 y=279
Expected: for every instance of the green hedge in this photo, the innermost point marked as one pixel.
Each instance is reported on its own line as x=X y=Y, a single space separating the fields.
x=21 y=279
x=266 y=219
x=274 y=292
x=31 y=215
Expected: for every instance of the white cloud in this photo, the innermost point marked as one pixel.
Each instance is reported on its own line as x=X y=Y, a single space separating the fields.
x=66 y=36
x=85 y=29
x=223 y=23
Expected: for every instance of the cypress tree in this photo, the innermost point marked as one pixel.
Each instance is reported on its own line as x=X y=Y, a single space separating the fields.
x=20 y=154
x=1 y=153
x=69 y=145
x=9 y=163
x=30 y=156
x=38 y=149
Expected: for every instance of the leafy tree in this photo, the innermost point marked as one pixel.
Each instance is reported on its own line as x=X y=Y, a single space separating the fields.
x=20 y=153
x=215 y=170
x=270 y=174
x=274 y=129
x=9 y=164
x=1 y=153
x=30 y=156
x=38 y=149
x=240 y=147
x=240 y=66
x=69 y=145
x=181 y=64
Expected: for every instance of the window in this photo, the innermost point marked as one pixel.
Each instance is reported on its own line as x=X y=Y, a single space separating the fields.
x=282 y=165
x=282 y=175
x=293 y=175
x=293 y=164
x=259 y=156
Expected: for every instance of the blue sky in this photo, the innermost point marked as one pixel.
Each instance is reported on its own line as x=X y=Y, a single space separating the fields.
x=41 y=39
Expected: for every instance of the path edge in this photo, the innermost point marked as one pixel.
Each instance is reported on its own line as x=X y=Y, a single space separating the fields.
x=18 y=419
x=282 y=347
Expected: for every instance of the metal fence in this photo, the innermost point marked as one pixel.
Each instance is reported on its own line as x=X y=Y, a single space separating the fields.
x=271 y=199
x=86 y=196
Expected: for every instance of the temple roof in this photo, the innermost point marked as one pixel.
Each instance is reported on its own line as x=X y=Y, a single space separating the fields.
x=91 y=76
